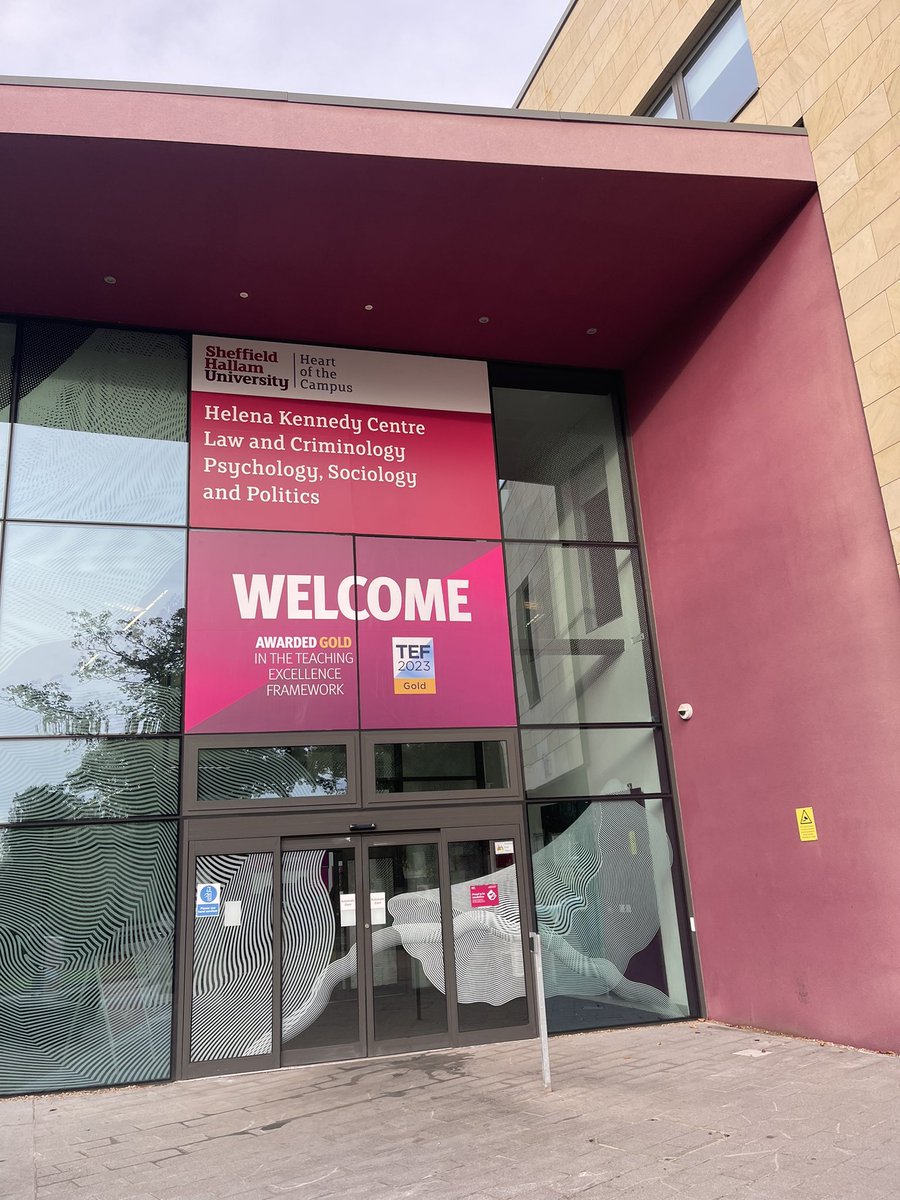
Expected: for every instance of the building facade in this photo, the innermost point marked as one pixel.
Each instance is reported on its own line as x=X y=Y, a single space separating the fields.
x=830 y=66
x=407 y=548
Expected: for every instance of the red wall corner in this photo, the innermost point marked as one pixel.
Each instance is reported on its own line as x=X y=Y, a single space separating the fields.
x=778 y=617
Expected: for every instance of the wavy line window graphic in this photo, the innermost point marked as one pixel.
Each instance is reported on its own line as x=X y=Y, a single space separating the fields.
x=86 y=955
x=600 y=890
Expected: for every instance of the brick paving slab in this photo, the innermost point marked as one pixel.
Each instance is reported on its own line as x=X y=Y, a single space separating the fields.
x=696 y=1110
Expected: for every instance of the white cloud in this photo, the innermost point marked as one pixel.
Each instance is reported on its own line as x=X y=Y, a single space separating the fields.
x=454 y=51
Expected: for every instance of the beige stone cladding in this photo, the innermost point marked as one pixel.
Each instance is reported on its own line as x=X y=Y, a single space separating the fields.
x=835 y=64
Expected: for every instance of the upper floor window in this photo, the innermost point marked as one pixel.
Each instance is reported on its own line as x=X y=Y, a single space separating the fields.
x=716 y=80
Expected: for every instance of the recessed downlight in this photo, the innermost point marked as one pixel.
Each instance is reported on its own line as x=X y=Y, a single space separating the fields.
x=483 y=320
x=109 y=279
x=368 y=307
x=590 y=332
x=244 y=295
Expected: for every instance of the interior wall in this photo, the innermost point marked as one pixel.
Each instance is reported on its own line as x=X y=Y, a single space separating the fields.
x=778 y=618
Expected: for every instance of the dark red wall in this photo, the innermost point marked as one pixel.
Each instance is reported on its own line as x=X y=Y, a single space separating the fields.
x=778 y=615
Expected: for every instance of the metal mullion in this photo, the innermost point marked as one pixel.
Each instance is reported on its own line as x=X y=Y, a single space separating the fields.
x=679 y=95
x=449 y=946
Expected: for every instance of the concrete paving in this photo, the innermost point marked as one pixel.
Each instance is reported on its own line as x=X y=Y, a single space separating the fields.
x=693 y=1109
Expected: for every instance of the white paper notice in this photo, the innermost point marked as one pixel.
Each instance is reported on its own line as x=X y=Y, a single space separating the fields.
x=348 y=908
x=503 y=847
x=378 y=907
x=231 y=912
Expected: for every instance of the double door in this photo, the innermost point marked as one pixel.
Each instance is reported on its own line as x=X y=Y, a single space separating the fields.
x=318 y=949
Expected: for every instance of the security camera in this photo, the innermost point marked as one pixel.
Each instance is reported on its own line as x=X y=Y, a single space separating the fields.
x=685 y=711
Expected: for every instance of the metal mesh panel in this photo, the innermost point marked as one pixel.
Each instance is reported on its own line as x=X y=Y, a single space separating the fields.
x=97 y=380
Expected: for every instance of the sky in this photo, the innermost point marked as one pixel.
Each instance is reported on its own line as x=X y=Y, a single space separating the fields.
x=475 y=52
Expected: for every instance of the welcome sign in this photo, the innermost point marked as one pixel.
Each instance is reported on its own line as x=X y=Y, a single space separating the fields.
x=296 y=437
x=311 y=631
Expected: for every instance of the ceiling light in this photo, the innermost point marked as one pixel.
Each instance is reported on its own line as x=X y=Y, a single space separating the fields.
x=590 y=332
x=244 y=295
x=368 y=307
x=483 y=320
x=109 y=279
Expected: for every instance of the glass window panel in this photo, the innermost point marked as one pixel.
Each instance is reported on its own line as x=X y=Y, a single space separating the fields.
x=407 y=942
x=562 y=467
x=605 y=902
x=87 y=918
x=91 y=630
x=487 y=936
x=271 y=772
x=102 y=779
x=591 y=762
x=101 y=426
x=440 y=766
x=7 y=351
x=580 y=642
x=232 y=985
x=666 y=107
x=722 y=78
x=320 y=985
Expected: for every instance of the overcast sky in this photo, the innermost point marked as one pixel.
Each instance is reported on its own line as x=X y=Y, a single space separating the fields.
x=452 y=51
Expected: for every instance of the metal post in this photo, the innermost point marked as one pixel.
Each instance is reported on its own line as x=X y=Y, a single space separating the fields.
x=541 y=1009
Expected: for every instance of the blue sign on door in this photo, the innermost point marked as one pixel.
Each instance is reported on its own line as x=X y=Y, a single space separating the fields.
x=208 y=898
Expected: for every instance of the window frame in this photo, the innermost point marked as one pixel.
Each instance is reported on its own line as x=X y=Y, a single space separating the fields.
x=191 y=804
x=374 y=799
x=673 y=79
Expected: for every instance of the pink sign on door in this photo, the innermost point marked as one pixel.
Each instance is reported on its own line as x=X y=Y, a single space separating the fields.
x=484 y=895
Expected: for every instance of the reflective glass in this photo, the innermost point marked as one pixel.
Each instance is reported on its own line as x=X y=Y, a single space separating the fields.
x=101 y=426
x=7 y=349
x=320 y=998
x=605 y=903
x=580 y=643
x=666 y=108
x=404 y=908
x=87 y=918
x=487 y=935
x=591 y=762
x=722 y=78
x=232 y=985
x=91 y=630
x=562 y=467
x=271 y=772
x=440 y=766
x=63 y=779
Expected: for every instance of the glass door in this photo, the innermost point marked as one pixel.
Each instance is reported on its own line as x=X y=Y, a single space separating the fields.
x=322 y=1003
x=405 y=900
x=307 y=950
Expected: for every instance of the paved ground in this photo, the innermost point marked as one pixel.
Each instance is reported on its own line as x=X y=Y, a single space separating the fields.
x=695 y=1110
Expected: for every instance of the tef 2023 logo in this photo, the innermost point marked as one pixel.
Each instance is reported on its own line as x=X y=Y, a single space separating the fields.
x=413 y=666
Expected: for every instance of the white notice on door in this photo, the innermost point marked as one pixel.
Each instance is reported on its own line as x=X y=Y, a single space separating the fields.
x=378 y=907
x=231 y=912
x=503 y=847
x=348 y=908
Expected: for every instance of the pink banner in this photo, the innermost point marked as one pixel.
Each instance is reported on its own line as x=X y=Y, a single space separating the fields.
x=267 y=650
x=289 y=437
x=443 y=660
x=282 y=626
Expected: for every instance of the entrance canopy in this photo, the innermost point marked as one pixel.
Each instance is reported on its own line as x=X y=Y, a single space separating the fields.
x=392 y=226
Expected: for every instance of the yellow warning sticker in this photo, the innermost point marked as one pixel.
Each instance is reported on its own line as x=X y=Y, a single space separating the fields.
x=806 y=825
